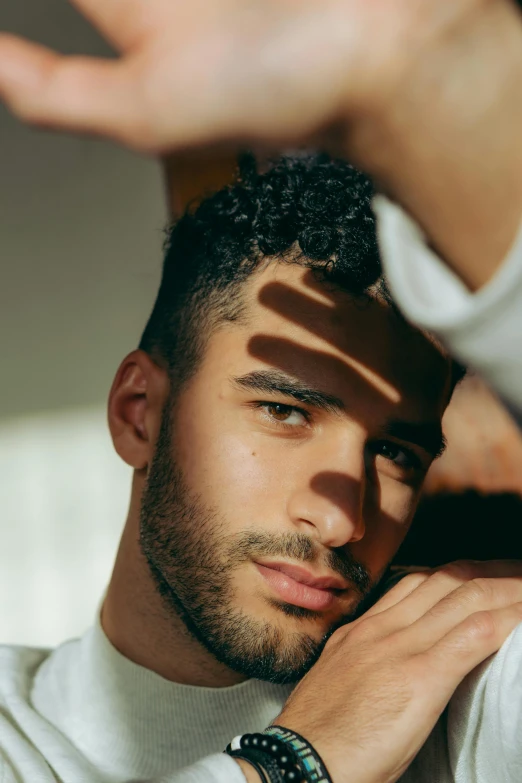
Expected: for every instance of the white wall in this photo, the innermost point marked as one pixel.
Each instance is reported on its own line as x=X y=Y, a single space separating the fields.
x=80 y=255
x=63 y=495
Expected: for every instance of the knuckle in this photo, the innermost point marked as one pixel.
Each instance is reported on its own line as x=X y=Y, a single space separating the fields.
x=478 y=589
x=356 y=633
x=359 y=629
x=459 y=570
x=339 y=636
x=443 y=578
x=480 y=626
x=414 y=580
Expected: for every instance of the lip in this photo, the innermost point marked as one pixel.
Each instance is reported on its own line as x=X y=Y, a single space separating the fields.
x=297 y=586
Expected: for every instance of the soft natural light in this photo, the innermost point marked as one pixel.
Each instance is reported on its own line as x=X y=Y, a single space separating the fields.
x=63 y=498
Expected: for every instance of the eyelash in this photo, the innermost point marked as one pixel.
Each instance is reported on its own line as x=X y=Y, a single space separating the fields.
x=414 y=462
x=262 y=404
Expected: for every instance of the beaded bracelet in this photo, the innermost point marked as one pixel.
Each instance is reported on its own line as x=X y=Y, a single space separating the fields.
x=273 y=754
x=265 y=766
x=311 y=764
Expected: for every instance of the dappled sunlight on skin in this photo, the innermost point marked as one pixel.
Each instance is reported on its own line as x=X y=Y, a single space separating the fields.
x=339 y=489
x=376 y=354
x=380 y=363
x=288 y=302
x=279 y=438
x=362 y=351
x=319 y=309
x=296 y=359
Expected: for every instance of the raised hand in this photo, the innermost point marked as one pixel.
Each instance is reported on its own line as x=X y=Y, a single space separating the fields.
x=188 y=74
x=370 y=702
x=399 y=86
x=211 y=71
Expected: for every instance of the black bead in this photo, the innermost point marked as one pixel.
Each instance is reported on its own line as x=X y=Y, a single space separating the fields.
x=245 y=740
x=274 y=749
x=292 y=776
x=255 y=741
x=285 y=760
x=265 y=743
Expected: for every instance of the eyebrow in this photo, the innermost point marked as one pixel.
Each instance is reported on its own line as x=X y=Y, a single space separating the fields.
x=426 y=435
x=276 y=382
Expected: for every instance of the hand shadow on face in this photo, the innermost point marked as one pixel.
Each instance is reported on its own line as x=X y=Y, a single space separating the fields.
x=313 y=315
x=307 y=364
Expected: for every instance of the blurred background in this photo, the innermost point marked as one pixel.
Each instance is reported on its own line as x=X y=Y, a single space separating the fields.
x=81 y=231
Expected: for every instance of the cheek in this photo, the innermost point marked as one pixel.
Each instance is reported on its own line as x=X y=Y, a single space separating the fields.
x=228 y=467
x=245 y=469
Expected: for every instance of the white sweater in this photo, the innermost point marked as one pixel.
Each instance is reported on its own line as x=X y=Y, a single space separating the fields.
x=85 y=714
x=483 y=330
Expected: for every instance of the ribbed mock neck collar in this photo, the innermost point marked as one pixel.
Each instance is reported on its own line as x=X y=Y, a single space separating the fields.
x=130 y=723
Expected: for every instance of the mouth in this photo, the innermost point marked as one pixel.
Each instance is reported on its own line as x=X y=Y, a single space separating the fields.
x=295 y=585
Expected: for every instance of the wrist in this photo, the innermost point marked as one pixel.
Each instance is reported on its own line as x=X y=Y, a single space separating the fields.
x=446 y=143
x=279 y=754
x=251 y=776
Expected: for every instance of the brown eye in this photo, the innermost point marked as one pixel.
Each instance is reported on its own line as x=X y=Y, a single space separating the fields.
x=284 y=414
x=279 y=412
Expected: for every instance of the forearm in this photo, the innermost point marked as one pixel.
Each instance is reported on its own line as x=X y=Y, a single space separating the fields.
x=450 y=152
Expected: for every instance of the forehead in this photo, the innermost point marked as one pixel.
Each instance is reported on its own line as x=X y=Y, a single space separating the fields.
x=361 y=352
x=346 y=346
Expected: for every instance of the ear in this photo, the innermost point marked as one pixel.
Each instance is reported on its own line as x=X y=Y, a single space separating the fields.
x=136 y=400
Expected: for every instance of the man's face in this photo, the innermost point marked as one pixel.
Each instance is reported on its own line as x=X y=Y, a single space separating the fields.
x=287 y=471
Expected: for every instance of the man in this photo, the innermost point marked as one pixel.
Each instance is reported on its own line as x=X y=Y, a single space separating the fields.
x=424 y=96
x=280 y=417
x=432 y=108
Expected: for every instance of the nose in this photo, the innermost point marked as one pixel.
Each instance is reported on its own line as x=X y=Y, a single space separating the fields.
x=332 y=504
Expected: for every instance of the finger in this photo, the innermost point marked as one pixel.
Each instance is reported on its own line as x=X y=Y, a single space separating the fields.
x=466 y=646
x=70 y=93
x=471 y=569
x=434 y=584
x=398 y=593
x=411 y=598
x=122 y=22
x=418 y=594
x=479 y=595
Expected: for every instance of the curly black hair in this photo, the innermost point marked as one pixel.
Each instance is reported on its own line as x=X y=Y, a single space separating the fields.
x=304 y=208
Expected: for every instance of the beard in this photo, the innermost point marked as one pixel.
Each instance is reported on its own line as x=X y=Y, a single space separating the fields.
x=192 y=560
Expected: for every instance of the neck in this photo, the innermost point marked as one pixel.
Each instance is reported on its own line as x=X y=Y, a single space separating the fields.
x=143 y=628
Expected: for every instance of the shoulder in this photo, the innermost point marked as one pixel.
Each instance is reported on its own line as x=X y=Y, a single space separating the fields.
x=25 y=735
x=18 y=666
x=18 y=669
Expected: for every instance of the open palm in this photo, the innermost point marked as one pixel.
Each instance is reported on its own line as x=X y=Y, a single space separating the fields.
x=218 y=71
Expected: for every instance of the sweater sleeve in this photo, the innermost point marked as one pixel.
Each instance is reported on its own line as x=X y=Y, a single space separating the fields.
x=218 y=768
x=482 y=329
x=485 y=719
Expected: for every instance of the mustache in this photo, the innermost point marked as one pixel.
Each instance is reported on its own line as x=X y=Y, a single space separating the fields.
x=298 y=546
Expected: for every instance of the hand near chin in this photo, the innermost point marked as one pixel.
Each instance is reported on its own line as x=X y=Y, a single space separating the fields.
x=370 y=702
